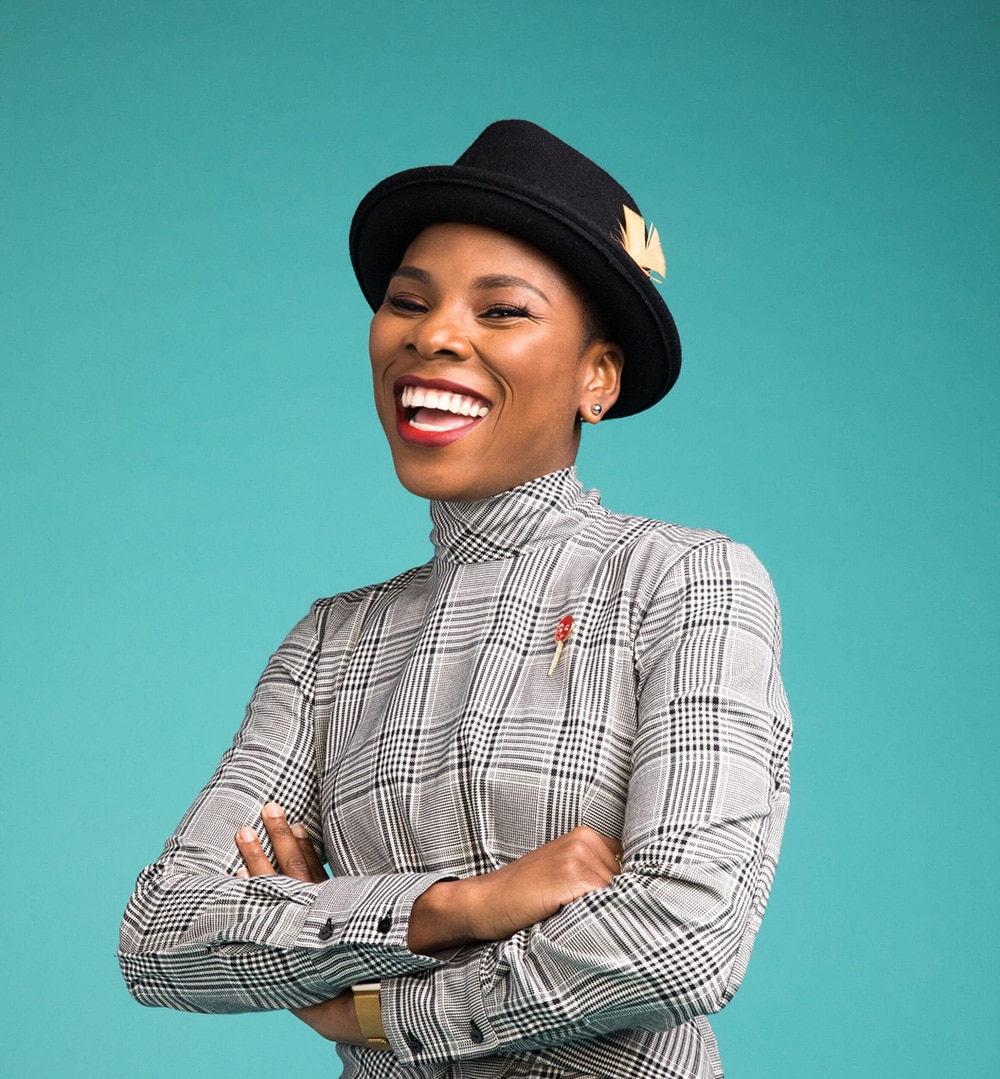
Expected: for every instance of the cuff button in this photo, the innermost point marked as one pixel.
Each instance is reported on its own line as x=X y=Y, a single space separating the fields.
x=327 y=931
x=475 y=1034
x=415 y=1044
x=384 y=924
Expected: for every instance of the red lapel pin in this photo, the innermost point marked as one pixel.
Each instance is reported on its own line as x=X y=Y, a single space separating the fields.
x=563 y=630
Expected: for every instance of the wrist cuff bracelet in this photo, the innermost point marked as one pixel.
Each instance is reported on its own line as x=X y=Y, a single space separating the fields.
x=368 y=1008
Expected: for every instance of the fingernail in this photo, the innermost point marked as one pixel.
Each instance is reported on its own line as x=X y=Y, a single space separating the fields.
x=243 y=873
x=299 y=831
x=272 y=809
x=246 y=835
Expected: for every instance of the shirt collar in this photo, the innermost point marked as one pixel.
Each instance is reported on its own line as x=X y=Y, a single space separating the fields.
x=541 y=512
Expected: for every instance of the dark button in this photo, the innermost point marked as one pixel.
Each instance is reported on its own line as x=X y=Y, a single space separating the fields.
x=384 y=924
x=414 y=1042
x=327 y=931
x=475 y=1033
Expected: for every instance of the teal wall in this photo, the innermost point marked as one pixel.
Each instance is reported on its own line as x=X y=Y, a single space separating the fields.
x=190 y=455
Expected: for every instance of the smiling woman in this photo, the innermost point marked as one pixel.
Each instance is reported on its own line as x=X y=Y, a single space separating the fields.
x=549 y=769
x=481 y=365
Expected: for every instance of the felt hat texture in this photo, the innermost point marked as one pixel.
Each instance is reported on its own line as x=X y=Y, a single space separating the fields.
x=520 y=179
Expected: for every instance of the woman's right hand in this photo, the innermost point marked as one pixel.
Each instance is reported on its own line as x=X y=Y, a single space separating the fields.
x=497 y=905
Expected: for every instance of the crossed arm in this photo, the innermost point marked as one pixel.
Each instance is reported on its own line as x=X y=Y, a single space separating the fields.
x=493 y=906
x=668 y=940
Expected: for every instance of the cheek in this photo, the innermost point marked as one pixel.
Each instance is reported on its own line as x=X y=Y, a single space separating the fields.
x=557 y=383
x=381 y=349
x=377 y=337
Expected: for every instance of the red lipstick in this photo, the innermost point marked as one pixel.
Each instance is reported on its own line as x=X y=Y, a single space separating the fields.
x=416 y=436
x=426 y=424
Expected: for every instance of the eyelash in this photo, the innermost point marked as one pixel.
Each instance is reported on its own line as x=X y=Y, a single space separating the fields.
x=494 y=312
x=402 y=303
x=506 y=310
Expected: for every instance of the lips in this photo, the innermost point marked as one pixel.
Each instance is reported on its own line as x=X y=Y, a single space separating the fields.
x=436 y=412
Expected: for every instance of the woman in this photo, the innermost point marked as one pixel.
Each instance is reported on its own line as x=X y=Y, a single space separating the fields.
x=548 y=769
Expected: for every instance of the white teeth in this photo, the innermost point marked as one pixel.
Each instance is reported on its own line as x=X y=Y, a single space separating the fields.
x=459 y=403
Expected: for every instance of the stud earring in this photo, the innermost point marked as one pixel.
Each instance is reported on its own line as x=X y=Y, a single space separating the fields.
x=596 y=409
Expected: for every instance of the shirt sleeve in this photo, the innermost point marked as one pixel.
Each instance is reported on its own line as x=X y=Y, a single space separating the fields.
x=197 y=938
x=669 y=939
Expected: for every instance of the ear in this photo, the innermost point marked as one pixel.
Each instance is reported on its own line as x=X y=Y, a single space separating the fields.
x=601 y=369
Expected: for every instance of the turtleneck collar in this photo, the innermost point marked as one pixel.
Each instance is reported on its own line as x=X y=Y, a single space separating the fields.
x=541 y=512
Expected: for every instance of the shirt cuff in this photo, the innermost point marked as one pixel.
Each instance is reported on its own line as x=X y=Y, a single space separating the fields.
x=369 y=917
x=439 y=1014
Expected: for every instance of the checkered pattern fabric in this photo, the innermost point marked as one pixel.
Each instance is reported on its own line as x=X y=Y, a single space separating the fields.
x=413 y=727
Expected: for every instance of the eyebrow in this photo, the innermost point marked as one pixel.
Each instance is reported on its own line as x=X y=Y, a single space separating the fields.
x=488 y=281
x=414 y=273
x=506 y=281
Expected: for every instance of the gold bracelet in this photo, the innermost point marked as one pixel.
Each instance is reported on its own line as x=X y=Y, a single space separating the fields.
x=368 y=1008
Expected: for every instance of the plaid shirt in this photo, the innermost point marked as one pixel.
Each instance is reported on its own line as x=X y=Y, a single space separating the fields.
x=413 y=728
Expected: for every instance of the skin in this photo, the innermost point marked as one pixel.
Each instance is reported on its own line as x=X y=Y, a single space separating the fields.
x=493 y=906
x=493 y=314
x=519 y=344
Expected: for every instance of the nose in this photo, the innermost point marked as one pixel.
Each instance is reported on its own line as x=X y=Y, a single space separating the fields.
x=439 y=335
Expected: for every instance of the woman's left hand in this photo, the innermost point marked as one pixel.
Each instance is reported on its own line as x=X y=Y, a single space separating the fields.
x=336 y=1020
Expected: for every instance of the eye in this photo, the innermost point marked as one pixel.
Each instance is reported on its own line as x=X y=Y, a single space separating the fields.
x=498 y=311
x=405 y=304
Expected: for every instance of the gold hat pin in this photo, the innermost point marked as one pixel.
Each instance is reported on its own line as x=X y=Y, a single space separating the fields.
x=643 y=247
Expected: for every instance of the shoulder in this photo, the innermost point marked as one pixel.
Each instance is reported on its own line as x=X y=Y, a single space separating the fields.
x=332 y=611
x=656 y=560
x=663 y=544
x=334 y=622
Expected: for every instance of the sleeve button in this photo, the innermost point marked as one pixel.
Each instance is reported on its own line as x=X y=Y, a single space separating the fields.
x=475 y=1033
x=384 y=924
x=327 y=931
x=415 y=1044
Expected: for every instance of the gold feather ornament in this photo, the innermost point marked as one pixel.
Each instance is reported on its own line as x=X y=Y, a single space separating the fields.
x=643 y=248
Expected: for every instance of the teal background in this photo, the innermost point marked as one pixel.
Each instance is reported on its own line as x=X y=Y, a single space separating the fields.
x=190 y=455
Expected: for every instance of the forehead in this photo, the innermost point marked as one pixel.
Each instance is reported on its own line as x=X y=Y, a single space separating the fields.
x=474 y=249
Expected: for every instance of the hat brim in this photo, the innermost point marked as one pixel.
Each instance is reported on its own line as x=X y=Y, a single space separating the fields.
x=394 y=211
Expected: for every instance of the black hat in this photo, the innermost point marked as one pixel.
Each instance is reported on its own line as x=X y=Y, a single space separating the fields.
x=519 y=179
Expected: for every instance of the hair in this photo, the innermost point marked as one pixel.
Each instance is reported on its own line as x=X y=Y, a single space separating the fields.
x=596 y=325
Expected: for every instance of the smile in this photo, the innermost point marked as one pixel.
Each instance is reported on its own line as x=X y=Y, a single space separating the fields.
x=434 y=412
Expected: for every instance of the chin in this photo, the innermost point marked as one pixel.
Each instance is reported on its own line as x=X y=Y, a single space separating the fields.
x=429 y=476
x=448 y=474
x=442 y=485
